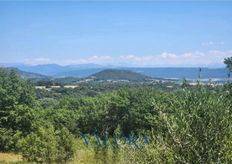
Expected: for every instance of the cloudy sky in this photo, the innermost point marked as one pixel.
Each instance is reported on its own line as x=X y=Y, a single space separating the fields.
x=130 y=33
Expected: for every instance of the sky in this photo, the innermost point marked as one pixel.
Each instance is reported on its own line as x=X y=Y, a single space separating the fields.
x=146 y=34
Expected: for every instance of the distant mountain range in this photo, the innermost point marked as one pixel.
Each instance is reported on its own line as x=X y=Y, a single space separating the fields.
x=86 y=70
x=25 y=75
x=57 y=70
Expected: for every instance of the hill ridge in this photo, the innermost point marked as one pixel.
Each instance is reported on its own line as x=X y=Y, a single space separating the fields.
x=120 y=74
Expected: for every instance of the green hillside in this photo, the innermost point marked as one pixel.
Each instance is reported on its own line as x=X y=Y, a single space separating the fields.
x=25 y=75
x=115 y=74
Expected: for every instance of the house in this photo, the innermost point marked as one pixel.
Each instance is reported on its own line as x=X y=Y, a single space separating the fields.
x=71 y=86
x=55 y=86
x=40 y=87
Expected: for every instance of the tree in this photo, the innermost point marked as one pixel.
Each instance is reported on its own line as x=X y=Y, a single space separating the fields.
x=185 y=83
x=16 y=114
x=14 y=91
x=47 y=145
x=198 y=127
x=39 y=146
x=199 y=76
x=228 y=62
x=66 y=145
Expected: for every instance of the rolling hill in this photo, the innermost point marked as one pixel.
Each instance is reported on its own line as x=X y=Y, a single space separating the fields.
x=116 y=74
x=25 y=75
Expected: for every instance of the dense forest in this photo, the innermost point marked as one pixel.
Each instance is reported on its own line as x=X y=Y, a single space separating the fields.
x=116 y=123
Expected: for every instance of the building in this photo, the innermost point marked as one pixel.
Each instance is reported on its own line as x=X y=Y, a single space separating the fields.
x=40 y=87
x=71 y=86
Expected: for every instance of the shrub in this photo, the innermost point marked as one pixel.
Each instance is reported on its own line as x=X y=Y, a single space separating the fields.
x=197 y=126
x=66 y=145
x=9 y=139
x=39 y=146
x=48 y=145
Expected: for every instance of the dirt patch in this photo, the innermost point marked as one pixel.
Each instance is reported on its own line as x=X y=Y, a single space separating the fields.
x=10 y=157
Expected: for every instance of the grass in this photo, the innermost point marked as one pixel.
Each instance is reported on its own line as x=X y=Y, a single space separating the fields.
x=10 y=158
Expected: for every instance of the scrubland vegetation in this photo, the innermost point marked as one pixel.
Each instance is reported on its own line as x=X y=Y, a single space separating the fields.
x=190 y=124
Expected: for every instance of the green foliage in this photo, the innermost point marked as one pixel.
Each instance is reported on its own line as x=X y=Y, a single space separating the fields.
x=9 y=138
x=62 y=118
x=187 y=125
x=111 y=74
x=185 y=83
x=228 y=62
x=197 y=126
x=47 y=145
x=14 y=91
x=66 y=145
x=39 y=146
x=16 y=114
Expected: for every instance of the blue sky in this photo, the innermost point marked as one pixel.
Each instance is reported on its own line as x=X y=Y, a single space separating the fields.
x=116 y=33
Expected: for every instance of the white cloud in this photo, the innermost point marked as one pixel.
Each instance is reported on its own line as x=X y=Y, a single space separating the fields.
x=165 y=59
x=189 y=59
x=168 y=55
x=211 y=43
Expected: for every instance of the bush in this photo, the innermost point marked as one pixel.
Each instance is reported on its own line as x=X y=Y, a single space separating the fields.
x=48 y=145
x=197 y=127
x=66 y=145
x=9 y=139
x=39 y=146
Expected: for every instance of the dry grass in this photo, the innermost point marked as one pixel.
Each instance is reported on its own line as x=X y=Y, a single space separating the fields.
x=10 y=158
